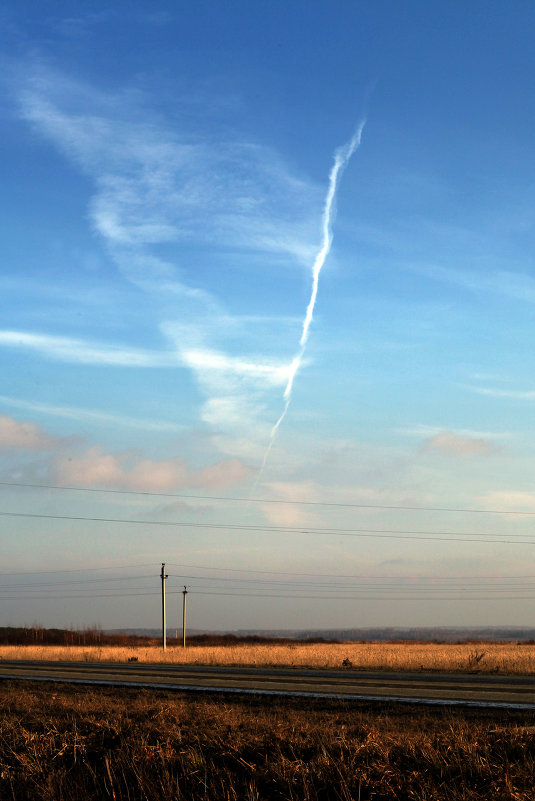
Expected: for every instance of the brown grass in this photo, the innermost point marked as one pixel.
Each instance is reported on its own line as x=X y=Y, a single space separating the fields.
x=456 y=657
x=74 y=744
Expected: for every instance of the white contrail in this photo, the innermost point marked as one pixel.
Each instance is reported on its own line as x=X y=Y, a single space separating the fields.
x=341 y=158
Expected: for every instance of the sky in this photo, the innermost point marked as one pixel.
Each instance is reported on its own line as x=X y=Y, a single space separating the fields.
x=267 y=296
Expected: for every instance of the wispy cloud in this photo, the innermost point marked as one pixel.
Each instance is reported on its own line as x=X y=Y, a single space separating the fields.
x=274 y=374
x=237 y=388
x=506 y=283
x=428 y=431
x=509 y=501
x=159 y=185
x=156 y=185
x=80 y=351
x=512 y=394
x=90 y=415
x=454 y=444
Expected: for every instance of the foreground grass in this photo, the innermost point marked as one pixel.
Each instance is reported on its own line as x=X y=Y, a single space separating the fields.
x=73 y=743
x=508 y=658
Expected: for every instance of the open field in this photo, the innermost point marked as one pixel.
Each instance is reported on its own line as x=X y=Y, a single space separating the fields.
x=495 y=657
x=69 y=744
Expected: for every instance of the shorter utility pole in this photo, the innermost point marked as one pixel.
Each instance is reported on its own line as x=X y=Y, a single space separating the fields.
x=184 y=593
x=163 y=576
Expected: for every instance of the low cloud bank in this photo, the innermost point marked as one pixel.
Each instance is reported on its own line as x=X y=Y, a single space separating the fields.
x=67 y=462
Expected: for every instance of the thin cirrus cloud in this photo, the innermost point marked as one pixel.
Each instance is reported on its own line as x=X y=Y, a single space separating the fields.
x=237 y=388
x=90 y=415
x=80 y=351
x=429 y=431
x=512 y=394
x=453 y=444
x=155 y=185
x=275 y=374
x=234 y=384
x=506 y=283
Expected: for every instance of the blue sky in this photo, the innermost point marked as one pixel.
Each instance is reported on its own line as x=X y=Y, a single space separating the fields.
x=167 y=176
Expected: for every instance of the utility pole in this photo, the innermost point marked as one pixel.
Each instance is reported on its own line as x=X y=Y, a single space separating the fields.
x=184 y=593
x=163 y=576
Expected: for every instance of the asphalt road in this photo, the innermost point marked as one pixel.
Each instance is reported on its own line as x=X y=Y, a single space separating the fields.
x=425 y=688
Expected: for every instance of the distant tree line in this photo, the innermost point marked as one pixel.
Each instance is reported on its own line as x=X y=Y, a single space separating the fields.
x=38 y=635
x=93 y=635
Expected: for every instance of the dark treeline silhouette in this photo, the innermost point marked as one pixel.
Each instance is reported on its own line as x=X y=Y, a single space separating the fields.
x=93 y=635
x=38 y=635
x=250 y=639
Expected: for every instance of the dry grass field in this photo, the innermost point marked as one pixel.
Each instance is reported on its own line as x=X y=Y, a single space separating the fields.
x=82 y=744
x=391 y=656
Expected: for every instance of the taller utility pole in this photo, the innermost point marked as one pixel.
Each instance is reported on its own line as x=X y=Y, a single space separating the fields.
x=163 y=576
x=184 y=593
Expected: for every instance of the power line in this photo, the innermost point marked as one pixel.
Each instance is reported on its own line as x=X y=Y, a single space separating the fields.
x=357 y=582
x=35 y=589
x=75 y=570
x=19 y=597
x=237 y=499
x=352 y=576
x=75 y=582
x=14 y=597
x=449 y=536
x=335 y=575
x=506 y=581
x=29 y=589
x=368 y=598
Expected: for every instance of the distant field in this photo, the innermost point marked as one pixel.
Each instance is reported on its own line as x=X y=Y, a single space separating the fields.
x=398 y=656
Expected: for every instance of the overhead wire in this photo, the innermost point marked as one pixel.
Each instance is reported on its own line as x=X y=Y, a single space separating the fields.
x=75 y=569
x=288 y=587
x=362 y=587
x=324 y=575
x=238 y=499
x=255 y=572
x=446 y=536
x=317 y=597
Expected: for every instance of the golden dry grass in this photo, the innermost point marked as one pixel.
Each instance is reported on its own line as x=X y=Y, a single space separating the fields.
x=87 y=744
x=392 y=656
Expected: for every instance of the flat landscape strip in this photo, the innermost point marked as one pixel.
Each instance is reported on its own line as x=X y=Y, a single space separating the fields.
x=417 y=688
x=225 y=690
x=487 y=657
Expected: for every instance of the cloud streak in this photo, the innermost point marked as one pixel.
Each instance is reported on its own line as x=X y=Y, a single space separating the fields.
x=78 y=351
x=90 y=415
x=512 y=394
x=505 y=283
x=181 y=188
x=454 y=444
x=341 y=158
x=155 y=185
